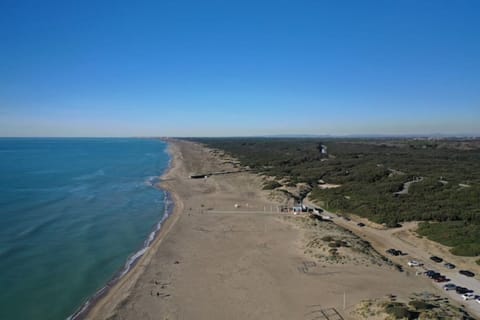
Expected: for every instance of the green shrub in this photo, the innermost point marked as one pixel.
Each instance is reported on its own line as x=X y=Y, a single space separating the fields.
x=362 y=169
x=334 y=244
x=327 y=238
x=333 y=251
x=462 y=236
x=270 y=185
x=466 y=250
x=400 y=311
x=420 y=305
x=341 y=243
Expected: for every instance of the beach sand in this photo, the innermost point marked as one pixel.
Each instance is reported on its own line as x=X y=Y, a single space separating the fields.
x=215 y=261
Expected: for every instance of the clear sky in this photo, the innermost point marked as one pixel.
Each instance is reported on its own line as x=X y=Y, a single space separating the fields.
x=223 y=68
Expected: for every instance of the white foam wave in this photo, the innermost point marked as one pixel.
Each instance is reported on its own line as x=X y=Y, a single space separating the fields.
x=92 y=175
x=90 y=198
x=79 y=312
x=152 y=181
x=150 y=154
x=131 y=260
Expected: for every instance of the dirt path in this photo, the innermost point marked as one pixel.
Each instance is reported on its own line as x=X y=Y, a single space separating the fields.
x=407 y=185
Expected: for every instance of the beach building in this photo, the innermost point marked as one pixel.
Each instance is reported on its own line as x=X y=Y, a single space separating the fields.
x=298 y=207
x=324 y=150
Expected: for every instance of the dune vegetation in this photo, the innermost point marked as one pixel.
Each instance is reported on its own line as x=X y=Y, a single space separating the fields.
x=385 y=180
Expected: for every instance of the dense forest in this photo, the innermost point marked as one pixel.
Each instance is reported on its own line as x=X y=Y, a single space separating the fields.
x=387 y=181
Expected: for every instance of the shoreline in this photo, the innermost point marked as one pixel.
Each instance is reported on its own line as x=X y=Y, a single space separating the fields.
x=224 y=262
x=88 y=307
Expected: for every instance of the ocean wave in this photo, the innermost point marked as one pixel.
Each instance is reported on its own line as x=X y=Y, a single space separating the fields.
x=90 y=198
x=78 y=188
x=151 y=154
x=131 y=261
x=7 y=252
x=39 y=205
x=41 y=225
x=151 y=237
x=84 y=308
x=46 y=171
x=39 y=189
x=152 y=181
x=92 y=175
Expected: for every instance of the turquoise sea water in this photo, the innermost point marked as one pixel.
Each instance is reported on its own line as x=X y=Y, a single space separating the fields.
x=72 y=211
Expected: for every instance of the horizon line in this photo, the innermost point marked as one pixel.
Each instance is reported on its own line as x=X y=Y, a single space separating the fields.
x=354 y=135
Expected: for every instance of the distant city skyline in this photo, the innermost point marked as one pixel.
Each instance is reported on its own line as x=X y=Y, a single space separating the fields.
x=250 y=68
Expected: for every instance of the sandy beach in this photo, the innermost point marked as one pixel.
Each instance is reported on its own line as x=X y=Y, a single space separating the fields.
x=223 y=254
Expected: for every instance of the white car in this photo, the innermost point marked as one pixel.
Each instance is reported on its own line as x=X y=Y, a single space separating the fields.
x=414 y=263
x=468 y=296
x=477 y=299
x=449 y=286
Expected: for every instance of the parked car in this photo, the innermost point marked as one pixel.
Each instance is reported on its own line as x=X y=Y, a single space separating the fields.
x=436 y=259
x=477 y=299
x=414 y=263
x=392 y=251
x=462 y=290
x=449 y=265
x=441 y=279
x=467 y=273
x=468 y=296
x=449 y=286
x=430 y=273
x=437 y=276
x=395 y=252
x=361 y=224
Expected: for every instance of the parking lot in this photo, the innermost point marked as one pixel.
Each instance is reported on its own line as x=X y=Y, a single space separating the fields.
x=382 y=240
x=459 y=280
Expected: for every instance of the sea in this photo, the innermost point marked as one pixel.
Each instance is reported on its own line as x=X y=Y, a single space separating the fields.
x=75 y=215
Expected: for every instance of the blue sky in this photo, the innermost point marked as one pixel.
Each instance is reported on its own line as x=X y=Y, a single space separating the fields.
x=223 y=68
